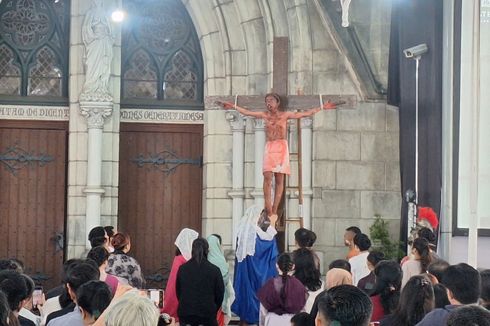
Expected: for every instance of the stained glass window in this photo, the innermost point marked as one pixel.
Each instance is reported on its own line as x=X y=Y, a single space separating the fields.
x=34 y=41
x=161 y=57
x=9 y=72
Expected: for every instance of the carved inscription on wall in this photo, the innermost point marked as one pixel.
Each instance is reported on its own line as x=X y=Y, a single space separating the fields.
x=162 y=116
x=17 y=112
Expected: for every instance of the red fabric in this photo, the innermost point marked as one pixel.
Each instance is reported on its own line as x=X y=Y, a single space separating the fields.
x=170 y=301
x=220 y=317
x=378 y=312
x=112 y=282
x=428 y=214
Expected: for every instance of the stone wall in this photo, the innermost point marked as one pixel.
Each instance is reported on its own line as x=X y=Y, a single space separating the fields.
x=355 y=152
x=355 y=173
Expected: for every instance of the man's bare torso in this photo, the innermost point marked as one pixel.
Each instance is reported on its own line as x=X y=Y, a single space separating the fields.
x=275 y=125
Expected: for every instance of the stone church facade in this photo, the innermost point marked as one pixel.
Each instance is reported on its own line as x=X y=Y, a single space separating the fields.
x=112 y=171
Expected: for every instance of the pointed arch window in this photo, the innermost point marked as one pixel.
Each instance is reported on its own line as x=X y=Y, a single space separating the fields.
x=34 y=49
x=161 y=57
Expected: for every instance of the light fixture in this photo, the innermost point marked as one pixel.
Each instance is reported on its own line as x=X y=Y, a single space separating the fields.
x=118 y=15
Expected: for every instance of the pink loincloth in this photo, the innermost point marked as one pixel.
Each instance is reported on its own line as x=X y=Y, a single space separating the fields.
x=276 y=157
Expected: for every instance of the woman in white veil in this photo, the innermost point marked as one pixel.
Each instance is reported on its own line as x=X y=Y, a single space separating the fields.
x=183 y=253
x=255 y=263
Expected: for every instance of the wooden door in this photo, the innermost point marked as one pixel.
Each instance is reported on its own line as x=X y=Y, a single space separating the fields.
x=160 y=191
x=33 y=158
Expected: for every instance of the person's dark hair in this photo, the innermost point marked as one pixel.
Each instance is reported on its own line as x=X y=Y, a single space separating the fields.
x=219 y=238
x=340 y=263
x=362 y=241
x=305 y=269
x=81 y=273
x=4 y=310
x=347 y=305
x=440 y=295
x=354 y=229
x=302 y=319
x=427 y=234
x=19 y=263
x=14 y=286
x=437 y=268
x=274 y=95
x=109 y=230
x=119 y=241
x=463 y=281
x=200 y=249
x=422 y=247
x=96 y=236
x=304 y=238
x=65 y=299
x=374 y=257
x=285 y=264
x=471 y=315
x=30 y=285
x=485 y=288
x=99 y=255
x=94 y=297
x=416 y=300
x=11 y=264
x=388 y=284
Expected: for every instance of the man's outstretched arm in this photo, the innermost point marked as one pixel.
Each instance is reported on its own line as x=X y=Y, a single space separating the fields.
x=229 y=105
x=310 y=112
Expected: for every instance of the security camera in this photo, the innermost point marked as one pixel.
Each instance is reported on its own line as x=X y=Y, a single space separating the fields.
x=415 y=51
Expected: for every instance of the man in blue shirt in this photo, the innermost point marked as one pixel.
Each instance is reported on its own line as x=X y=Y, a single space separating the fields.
x=463 y=288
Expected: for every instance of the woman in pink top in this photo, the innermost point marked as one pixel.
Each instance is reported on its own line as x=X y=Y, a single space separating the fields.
x=421 y=258
x=184 y=252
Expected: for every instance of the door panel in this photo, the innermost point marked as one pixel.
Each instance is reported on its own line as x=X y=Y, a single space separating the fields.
x=160 y=189
x=33 y=195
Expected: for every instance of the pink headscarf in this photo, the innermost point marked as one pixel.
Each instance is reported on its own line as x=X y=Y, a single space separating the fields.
x=338 y=276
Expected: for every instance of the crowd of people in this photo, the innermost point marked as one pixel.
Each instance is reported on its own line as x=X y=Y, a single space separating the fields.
x=267 y=288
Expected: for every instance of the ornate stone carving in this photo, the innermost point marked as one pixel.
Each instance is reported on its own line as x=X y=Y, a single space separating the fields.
x=307 y=122
x=259 y=124
x=95 y=114
x=98 y=40
x=237 y=121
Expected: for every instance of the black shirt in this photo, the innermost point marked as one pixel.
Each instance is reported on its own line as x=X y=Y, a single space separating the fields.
x=200 y=290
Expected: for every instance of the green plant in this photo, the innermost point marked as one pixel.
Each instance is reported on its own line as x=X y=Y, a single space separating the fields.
x=380 y=237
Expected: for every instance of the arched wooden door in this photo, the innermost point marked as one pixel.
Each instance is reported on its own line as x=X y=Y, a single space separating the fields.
x=33 y=157
x=160 y=190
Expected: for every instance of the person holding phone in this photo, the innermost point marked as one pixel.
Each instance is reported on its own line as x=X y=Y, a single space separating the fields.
x=33 y=303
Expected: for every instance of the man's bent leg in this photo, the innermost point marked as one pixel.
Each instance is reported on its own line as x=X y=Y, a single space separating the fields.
x=279 y=189
x=268 y=192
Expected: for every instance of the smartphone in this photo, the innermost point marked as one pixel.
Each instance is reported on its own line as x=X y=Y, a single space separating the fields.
x=156 y=296
x=37 y=296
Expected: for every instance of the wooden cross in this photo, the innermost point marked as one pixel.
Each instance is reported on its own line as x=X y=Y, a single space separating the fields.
x=291 y=102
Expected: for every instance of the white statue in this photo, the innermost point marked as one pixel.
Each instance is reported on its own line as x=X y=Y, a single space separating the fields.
x=345 y=12
x=98 y=40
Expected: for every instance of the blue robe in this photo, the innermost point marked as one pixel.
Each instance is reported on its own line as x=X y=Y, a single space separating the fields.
x=250 y=275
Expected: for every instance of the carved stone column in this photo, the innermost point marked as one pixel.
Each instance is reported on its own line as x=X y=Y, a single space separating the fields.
x=96 y=113
x=307 y=159
x=259 y=133
x=237 y=123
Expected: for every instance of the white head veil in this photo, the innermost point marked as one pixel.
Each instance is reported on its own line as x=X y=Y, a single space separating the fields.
x=247 y=232
x=184 y=242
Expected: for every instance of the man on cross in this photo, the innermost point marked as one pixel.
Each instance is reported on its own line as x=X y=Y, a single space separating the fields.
x=276 y=154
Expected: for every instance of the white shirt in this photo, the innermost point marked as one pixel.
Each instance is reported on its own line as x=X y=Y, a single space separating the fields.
x=358 y=267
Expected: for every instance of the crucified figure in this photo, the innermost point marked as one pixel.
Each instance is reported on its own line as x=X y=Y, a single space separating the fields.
x=276 y=154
